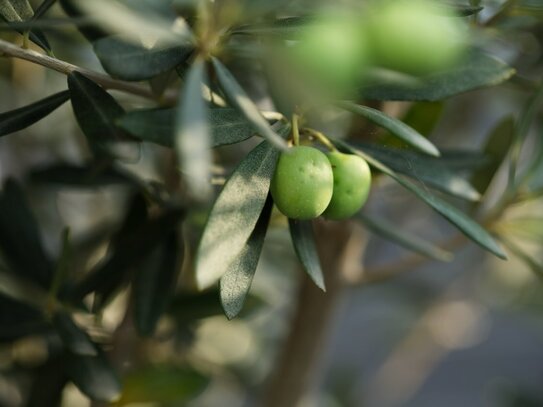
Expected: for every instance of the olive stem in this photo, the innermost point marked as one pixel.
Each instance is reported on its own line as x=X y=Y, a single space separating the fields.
x=295 y=130
x=322 y=139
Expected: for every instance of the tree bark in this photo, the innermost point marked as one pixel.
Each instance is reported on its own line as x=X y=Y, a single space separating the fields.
x=296 y=365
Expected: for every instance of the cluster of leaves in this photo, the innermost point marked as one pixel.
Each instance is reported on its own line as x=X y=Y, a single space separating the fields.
x=212 y=109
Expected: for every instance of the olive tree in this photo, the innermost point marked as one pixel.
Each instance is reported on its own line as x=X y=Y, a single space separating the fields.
x=212 y=122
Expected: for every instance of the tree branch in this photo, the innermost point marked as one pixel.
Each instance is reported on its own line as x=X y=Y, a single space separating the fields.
x=11 y=50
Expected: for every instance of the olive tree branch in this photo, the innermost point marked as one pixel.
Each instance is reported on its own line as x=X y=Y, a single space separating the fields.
x=12 y=50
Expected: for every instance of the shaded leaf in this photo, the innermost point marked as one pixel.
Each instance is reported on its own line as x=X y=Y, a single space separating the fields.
x=17 y=318
x=476 y=71
x=408 y=241
x=44 y=6
x=463 y=222
x=192 y=142
x=75 y=339
x=23 y=117
x=131 y=62
x=394 y=126
x=135 y=240
x=227 y=126
x=20 y=240
x=431 y=171
x=48 y=384
x=95 y=110
x=94 y=376
x=284 y=28
x=235 y=214
x=244 y=104
x=155 y=282
x=496 y=149
x=162 y=384
x=303 y=240
x=236 y=281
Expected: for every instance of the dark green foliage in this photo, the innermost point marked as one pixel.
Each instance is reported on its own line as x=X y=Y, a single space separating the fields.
x=20 y=240
x=23 y=117
x=131 y=62
x=303 y=240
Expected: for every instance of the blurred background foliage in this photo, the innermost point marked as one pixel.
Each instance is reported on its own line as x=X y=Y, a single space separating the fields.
x=409 y=330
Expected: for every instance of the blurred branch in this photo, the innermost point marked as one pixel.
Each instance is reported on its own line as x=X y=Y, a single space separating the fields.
x=11 y=50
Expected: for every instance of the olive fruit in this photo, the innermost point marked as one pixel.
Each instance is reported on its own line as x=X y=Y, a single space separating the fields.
x=303 y=183
x=414 y=37
x=331 y=53
x=352 y=179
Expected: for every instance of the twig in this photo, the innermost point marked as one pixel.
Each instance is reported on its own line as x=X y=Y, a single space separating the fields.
x=9 y=49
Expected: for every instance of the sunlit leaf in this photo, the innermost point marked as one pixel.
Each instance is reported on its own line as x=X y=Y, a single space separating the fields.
x=236 y=281
x=15 y=11
x=192 y=142
x=23 y=117
x=235 y=214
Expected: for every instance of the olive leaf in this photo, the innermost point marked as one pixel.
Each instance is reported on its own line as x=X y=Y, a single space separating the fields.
x=464 y=223
x=75 y=339
x=24 y=117
x=303 y=240
x=236 y=281
x=235 y=214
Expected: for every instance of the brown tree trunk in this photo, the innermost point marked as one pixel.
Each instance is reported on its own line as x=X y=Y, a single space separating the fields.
x=296 y=364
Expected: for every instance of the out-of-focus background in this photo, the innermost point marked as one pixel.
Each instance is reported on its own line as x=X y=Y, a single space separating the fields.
x=464 y=332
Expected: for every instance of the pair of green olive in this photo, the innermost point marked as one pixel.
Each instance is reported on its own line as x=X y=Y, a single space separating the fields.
x=308 y=183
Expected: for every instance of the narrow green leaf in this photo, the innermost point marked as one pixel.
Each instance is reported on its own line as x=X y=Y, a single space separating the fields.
x=227 y=126
x=131 y=62
x=192 y=142
x=94 y=376
x=476 y=71
x=463 y=222
x=75 y=339
x=44 y=6
x=235 y=214
x=165 y=385
x=496 y=149
x=462 y=10
x=431 y=171
x=95 y=110
x=408 y=241
x=236 y=281
x=20 y=240
x=23 y=117
x=244 y=104
x=155 y=282
x=303 y=240
x=396 y=127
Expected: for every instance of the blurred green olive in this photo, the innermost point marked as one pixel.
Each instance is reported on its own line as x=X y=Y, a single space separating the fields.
x=413 y=37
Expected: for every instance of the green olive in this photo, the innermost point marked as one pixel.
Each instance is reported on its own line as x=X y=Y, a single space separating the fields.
x=352 y=180
x=332 y=52
x=303 y=183
x=412 y=37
